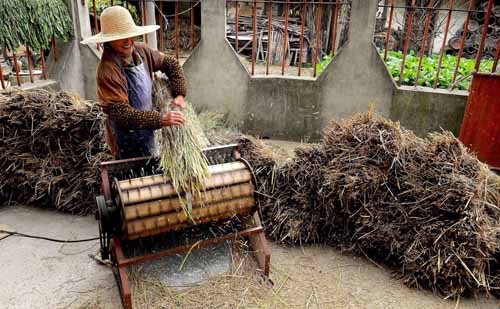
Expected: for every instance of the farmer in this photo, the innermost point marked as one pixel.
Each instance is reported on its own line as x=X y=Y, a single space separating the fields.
x=124 y=85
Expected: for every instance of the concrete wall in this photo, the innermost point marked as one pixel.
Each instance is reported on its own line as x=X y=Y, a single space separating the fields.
x=428 y=110
x=216 y=78
x=357 y=75
x=76 y=63
x=285 y=107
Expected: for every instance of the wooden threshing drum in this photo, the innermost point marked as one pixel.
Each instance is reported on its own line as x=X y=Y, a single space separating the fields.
x=150 y=205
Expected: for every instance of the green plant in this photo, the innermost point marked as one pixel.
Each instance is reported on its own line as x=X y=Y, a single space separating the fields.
x=102 y=4
x=321 y=66
x=429 y=69
x=33 y=22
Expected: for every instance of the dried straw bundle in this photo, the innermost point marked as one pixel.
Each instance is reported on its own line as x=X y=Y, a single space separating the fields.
x=50 y=145
x=426 y=207
x=180 y=149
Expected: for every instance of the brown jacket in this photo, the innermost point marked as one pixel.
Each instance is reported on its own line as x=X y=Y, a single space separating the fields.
x=113 y=95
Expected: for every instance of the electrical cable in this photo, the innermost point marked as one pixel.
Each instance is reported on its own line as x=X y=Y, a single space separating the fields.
x=46 y=238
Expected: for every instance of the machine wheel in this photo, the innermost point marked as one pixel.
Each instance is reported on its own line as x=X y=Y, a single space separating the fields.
x=102 y=215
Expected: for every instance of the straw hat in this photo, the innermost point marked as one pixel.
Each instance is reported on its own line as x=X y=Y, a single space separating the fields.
x=116 y=24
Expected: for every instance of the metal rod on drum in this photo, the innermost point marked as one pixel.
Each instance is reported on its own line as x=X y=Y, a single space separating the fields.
x=447 y=27
x=217 y=210
x=162 y=206
x=462 y=43
x=388 y=34
x=334 y=28
x=149 y=193
x=483 y=37
x=269 y=29
x=407 y=40
x=254 y=43
x=177 y=29
x=44 y=69
x=30 y=64
x=318 y=36
x=424 y=39
x=16 y=66
x=236 y=25
x=285 y=41
x=161 y=179
x=301 y=44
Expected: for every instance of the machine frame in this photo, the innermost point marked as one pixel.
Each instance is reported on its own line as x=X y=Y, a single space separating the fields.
x=112 y=242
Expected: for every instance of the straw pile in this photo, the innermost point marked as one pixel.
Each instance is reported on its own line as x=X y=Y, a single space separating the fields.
x=50 y=145
x=425 y=207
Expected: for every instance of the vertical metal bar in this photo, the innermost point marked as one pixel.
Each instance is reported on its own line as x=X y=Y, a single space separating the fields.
x=318 y=36
x=192 y=25
x=497 y=55
x=334 y=28
x=16 y=66
x=462 y=42
x=483 y=37
x=407 y=40
x=30 y=64
x=302 y=35
x=388 y=34
x=145 y=18
x=126 y=4
x=177 y=29
x=1 y=77
x=236 y=26
x=96 y=26
x=44 y=69
x=287 y=7
x=269 y=29
x=445 y=41
x=161 y=25
x=424 y=39
x=54 y=48
x=112 y=2
x=254 y=39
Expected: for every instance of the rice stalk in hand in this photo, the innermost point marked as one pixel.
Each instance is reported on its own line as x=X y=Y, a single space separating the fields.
x=181 y=155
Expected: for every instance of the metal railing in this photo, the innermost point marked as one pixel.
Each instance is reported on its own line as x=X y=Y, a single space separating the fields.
x=279 y=26
x=160 y=11
x=483 y=12
x=29 y=56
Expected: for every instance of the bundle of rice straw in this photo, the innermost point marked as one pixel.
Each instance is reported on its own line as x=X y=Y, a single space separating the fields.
x=180 y=150
x=427 y=208
x=50 y=147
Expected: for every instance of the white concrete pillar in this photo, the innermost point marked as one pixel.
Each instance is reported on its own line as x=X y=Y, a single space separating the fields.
x=150 y=10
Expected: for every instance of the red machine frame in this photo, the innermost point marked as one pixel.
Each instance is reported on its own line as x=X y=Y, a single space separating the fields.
x=255 y=234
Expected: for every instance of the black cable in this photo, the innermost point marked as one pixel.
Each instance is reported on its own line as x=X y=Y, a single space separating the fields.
x=47 y=238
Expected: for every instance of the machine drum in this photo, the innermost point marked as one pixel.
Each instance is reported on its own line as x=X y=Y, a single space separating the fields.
x=150 y=205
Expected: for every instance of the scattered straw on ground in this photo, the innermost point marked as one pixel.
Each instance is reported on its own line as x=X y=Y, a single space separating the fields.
x=241 y=287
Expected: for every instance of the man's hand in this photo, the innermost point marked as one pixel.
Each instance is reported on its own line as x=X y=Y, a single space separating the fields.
x=172 y=119
x=178 y=102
